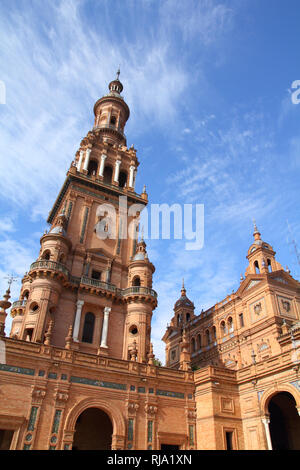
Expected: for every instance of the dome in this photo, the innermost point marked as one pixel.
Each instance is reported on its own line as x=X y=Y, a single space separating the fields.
x=139 y=256
x=183 y=301
x=59 y=230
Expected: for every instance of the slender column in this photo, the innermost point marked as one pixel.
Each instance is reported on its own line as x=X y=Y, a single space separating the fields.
x=77 y=320
x=131 y=175
x=102 y=163
x=117 y=171
x=105 y=327
x=87 y=159
x=80 y=160
x=266 y=422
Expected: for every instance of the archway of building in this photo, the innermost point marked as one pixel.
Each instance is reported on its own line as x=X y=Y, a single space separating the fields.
x=284 y=422
x=93 y=430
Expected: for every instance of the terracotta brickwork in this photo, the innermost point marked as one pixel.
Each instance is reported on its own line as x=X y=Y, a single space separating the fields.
x=81 y=332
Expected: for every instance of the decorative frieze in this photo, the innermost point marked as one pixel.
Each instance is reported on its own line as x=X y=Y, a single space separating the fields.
x=97 y=383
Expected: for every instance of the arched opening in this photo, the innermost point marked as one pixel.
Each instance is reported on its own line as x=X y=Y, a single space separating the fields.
x=113 y=120
x=122 y=179
x=214 y=332
x=46 y=255
x=62 y=258
x=269 y=265
x=208 y=338
x=223 y=328
x=93 y=431
x=88 y=328
x=256 y=267
x=107 y=174
x=136 y=281
x=230 y=325
x=193 y=345
x=92 y=168
x=199 y=342
x=284 y=422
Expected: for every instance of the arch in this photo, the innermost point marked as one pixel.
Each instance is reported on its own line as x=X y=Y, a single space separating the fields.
x=92 y=168
x=214 y=333
x=123 y=179
x=256 y=267
x=269 y=265
x=88 y=328
x=193 y=345
x=208 y=337
x=110 y=409
x=188 y=316
x=199 y=341
x=230 y=325
x=93 y=430
x=107 y=174
x=223 y=328
x=113 y=120
x=136 y=281
x=61 y=258
x=268 y=394
x=25 y=294
x=284 y=422
x=46 y=255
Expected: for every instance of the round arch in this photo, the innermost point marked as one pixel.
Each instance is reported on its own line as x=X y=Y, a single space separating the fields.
x=271 y=392
x=118 y=423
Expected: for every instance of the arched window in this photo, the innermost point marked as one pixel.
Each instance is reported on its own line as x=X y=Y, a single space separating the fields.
x=208 y=338
x=136 y=281
x=25 y=295
x=46 y=255
x=92 y=168
x=256 y=267
x=223 y=328
x=113 y=120
x=188 y=317
x=214 y=332
x=122 y=179
x=230 y=325
x=62 y=258
x=107 y=174
x=269 y=265
x=199 y=342
x=193 y=345
x=88 y=328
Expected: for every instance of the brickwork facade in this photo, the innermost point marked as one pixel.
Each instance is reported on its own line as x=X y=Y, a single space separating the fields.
x=79 y=356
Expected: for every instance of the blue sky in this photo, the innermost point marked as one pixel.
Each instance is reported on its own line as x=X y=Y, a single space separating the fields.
x=209 y=88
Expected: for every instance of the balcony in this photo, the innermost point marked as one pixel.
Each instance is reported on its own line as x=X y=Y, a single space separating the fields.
x=138 y=290
x=19 y=303
x=98 y=284
x=52 y=265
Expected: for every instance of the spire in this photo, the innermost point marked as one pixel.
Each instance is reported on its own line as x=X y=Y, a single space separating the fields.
x=4 y=304
x=183 y=291
x=115 y=86
x=256 y=232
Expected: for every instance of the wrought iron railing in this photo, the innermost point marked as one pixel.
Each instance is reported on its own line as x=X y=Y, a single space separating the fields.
x=53 y=265
x=19 y=303
x=139 y=290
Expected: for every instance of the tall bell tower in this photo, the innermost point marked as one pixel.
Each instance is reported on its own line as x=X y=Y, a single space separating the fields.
x=91 y=287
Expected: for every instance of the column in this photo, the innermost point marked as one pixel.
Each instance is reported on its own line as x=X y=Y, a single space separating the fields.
x=117 y=170
x=105 y=327
x=131 y=175
x=80 y=160
x=102 y=163
x=266 y=422
x=87 y=159
x=77 y=320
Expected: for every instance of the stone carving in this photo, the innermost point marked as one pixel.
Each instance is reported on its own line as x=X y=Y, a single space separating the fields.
x=151 y=409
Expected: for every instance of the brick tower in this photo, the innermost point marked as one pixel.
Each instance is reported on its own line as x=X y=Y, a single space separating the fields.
x=92 y=278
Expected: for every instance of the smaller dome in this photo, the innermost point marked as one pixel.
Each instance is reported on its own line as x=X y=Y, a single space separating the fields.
x=183 y=301
x=139 y=256
x=59 y=230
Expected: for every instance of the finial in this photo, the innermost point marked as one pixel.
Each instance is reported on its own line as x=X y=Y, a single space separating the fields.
x=118 y=73
x=256 y=232
x=183 y=291
x=255 y=226
x=144 y=189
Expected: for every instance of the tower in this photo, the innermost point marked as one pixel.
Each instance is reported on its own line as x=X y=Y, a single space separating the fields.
x=85 y=278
